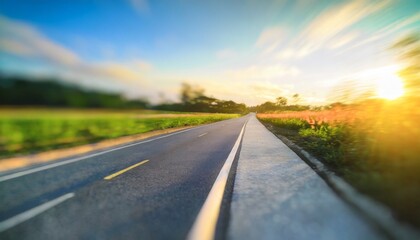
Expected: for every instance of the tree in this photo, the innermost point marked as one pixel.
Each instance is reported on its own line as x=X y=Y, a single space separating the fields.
x=281 y=101
x=189 y=93
x=296 y=98
x=267 y=106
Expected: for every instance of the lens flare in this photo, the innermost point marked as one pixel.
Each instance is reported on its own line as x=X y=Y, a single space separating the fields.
x=390 y=87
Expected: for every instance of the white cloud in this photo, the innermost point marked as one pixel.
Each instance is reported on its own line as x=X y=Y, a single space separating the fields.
x=265 y=71
x=28 y=43
x=143 y=66
x=331 y=29
x=13 y=47
x=338 y=18
x=111 y=70
x=270 y=91
x=225 y=53
x=270 y=38
x=388 y=30
x=292 y=53
x=343 y=40
x=22 y=39
x=141 y=6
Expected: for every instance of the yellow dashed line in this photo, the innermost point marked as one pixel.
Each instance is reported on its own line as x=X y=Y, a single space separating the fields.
x=125 y=170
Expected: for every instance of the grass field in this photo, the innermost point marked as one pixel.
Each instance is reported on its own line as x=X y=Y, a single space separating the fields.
x=374 y=146
x=29 y=130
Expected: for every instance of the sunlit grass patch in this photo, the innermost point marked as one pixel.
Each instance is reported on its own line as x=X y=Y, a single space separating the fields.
x=29 y=131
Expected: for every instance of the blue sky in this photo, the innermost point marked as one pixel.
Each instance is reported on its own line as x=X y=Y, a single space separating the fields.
x=247 y=51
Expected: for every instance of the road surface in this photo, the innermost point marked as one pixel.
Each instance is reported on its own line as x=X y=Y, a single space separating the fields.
x=150 y=190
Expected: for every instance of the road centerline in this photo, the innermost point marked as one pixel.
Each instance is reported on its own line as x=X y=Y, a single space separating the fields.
x=22 y=217
x=202 y=134
x=109 y=177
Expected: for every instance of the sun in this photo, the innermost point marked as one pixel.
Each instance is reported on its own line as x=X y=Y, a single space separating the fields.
x=390 y=87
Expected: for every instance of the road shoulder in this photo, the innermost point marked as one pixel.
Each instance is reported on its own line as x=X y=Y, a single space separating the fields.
x=276 y=194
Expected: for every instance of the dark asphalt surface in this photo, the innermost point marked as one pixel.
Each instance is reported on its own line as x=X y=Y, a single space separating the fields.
x=157 y=200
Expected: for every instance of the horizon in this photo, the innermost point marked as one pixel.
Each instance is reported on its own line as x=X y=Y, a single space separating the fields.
x=249 y=53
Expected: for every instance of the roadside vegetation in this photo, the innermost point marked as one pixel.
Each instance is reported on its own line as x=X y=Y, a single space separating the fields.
x=32 y=130
x=47 y=113
x=374 y=144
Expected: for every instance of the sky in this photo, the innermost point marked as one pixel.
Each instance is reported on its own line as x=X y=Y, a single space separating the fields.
x=249 y=51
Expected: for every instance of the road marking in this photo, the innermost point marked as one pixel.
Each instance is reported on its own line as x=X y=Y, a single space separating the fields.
x=125 y=170
x=204 y=226
x=13 y=221
x=202 y=134
x=53 y=165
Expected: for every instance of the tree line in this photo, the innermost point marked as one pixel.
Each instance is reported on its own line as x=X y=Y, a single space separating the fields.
x=281 y=104
x=22 y=91
x=193 y=99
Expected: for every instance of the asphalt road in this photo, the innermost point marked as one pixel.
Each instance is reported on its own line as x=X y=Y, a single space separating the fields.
x=155 y=199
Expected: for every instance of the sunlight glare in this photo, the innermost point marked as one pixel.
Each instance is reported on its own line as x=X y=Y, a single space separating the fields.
x=390 y=87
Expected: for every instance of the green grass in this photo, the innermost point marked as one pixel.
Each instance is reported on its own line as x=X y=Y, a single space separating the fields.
x=289 y=123
x=32 y=130
x=322 y=140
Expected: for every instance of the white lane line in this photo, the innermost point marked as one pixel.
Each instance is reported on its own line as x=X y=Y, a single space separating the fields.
x=204 y=226
x=53 y=165
x=13 y=221
x=202 y=134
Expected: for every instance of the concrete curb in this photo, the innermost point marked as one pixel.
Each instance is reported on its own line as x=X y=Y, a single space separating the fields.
x=376 y=213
